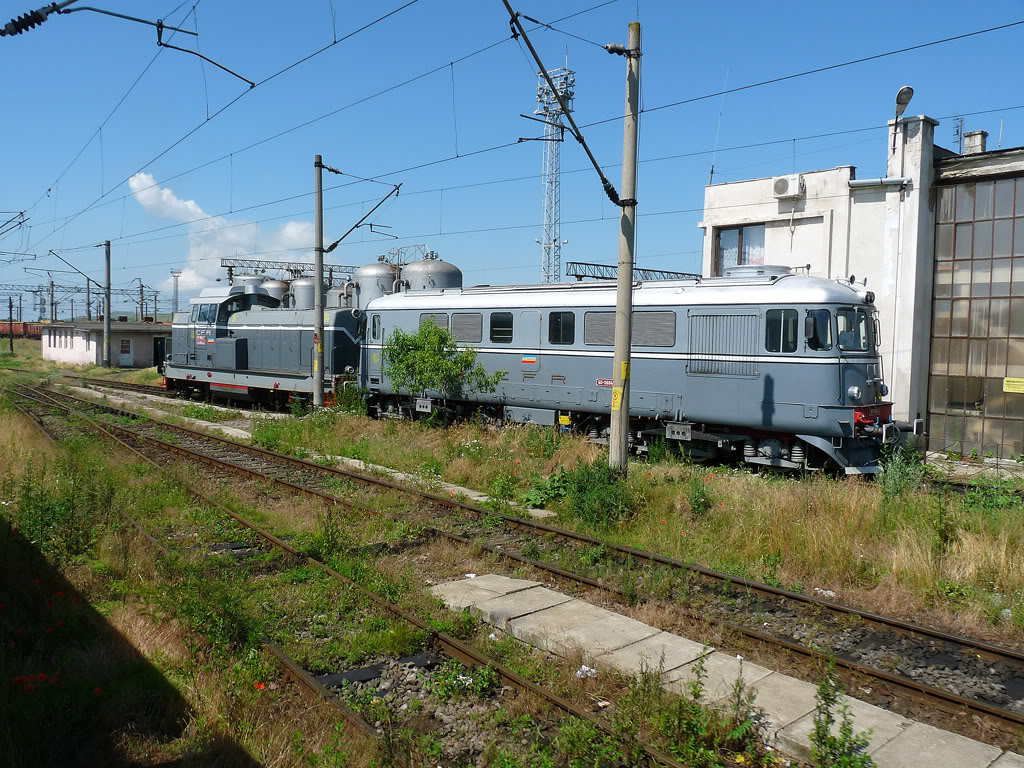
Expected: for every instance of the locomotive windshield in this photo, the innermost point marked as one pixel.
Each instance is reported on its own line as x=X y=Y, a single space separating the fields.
x=854 y=330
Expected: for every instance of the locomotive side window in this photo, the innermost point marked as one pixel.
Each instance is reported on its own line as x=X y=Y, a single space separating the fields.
x=195 y=313
x=561 y=328
x=375 y=328
x=819 y=330
x=780 y=330
x=854 y=330
x=501 y=327
x=438 y=319
x=468 y=326
x=204 y=313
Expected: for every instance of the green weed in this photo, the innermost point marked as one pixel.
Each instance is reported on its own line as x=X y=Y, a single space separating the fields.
x=597 y=494
x=847 y=749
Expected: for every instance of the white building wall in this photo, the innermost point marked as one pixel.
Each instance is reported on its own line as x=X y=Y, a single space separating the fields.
x=69 y=346
x=882 y=234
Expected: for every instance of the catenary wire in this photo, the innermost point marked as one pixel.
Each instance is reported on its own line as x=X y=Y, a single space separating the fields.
x=229 y=104
x=814 y=71
x=96 y=203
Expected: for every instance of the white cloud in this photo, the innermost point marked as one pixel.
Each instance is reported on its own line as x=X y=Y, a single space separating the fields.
x=212 y=238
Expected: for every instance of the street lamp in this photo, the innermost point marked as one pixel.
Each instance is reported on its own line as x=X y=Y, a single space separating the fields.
x=903 y=97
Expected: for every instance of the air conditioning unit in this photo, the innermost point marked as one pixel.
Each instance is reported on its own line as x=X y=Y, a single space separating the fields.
x=788 y=187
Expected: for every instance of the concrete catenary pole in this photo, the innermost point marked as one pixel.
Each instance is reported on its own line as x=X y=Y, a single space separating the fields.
x=318 y=297
x=88 y=300
x=10 y=324
x=106 y=306
x=618 y=447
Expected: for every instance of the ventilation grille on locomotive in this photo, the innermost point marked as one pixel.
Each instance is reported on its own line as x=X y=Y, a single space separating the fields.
x=719 y=344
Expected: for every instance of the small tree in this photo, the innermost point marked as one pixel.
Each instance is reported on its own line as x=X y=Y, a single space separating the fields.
x=430 y=359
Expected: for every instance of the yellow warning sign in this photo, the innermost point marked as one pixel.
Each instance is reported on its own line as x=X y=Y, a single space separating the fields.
x=1011 y=384
x=625 y=370
x=616 y=398
x=563 y=419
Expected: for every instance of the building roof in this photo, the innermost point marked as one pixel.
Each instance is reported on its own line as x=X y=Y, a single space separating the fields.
x=119 y=327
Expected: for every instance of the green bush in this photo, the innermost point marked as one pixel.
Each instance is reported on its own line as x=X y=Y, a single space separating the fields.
x=700 y=499
x=597 y=494
x=544 y=490
x=901 y=470
x=430 y=360
x=453 y=681
x=848 y=749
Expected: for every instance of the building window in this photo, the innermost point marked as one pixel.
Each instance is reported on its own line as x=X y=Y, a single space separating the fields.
x=977 y=336
x=739 y=246
x=780 y=330
x=126 y=346
x=468 y=326
x=501 y=327
x=561 y=328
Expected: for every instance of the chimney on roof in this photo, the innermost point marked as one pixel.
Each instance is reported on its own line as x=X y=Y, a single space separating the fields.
x=974 y=142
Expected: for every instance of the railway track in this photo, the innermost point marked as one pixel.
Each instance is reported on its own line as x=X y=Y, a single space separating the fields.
x=146 y=389
x=42 y=406
x=900 y=656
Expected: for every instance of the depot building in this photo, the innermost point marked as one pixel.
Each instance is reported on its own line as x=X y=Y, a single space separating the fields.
x=940 y=242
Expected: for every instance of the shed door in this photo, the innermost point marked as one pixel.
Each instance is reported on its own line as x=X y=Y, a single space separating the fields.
x=125 y=358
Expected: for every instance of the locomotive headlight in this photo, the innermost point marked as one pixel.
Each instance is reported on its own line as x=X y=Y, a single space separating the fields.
x=854 y=392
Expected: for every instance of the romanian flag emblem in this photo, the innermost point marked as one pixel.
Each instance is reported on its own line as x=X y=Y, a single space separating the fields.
x=529 y=359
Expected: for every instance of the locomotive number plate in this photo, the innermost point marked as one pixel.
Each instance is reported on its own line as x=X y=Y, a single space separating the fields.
x=423 y=404
x=604 y=382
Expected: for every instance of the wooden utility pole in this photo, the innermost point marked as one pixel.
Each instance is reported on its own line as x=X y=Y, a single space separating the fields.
x=618 y=444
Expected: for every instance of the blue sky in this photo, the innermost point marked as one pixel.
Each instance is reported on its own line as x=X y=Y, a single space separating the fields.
x=64 y=77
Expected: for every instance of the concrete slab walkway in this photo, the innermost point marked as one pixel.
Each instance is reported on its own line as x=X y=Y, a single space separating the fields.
x=560 y=624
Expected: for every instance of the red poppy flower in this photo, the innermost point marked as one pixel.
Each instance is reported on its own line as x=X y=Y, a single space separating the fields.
x=37 y=582
x=49 y=630
x=28 y=688
x=682 y=533
x=60 y=623
x=259 y=686
x=60 y=594
x=41 y=676
x=97 y=691
x=649 y=474
x=721 y=503
x=711 y=475
x=662 y=522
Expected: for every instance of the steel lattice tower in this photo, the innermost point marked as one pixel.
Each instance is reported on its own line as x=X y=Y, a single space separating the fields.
x=175 y=274
x=549 y=110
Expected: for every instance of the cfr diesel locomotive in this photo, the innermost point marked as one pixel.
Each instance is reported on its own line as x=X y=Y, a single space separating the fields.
x=761 y=365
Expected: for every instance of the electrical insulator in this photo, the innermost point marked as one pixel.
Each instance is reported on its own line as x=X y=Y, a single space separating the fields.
x=24 y=22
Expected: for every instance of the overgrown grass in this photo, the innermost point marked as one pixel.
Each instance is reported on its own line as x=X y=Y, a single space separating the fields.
x=885 y=545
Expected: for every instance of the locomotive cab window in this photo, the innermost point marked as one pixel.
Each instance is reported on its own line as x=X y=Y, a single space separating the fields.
x=780 y=330
x=818 y=329
x=501 y=327
x=375 y=328
x=195 y=313
x=854 y=327
x=204 y=313
x=231 y=306
x=561 y=328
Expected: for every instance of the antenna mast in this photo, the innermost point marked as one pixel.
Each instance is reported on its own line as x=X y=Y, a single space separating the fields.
x=550 y=111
